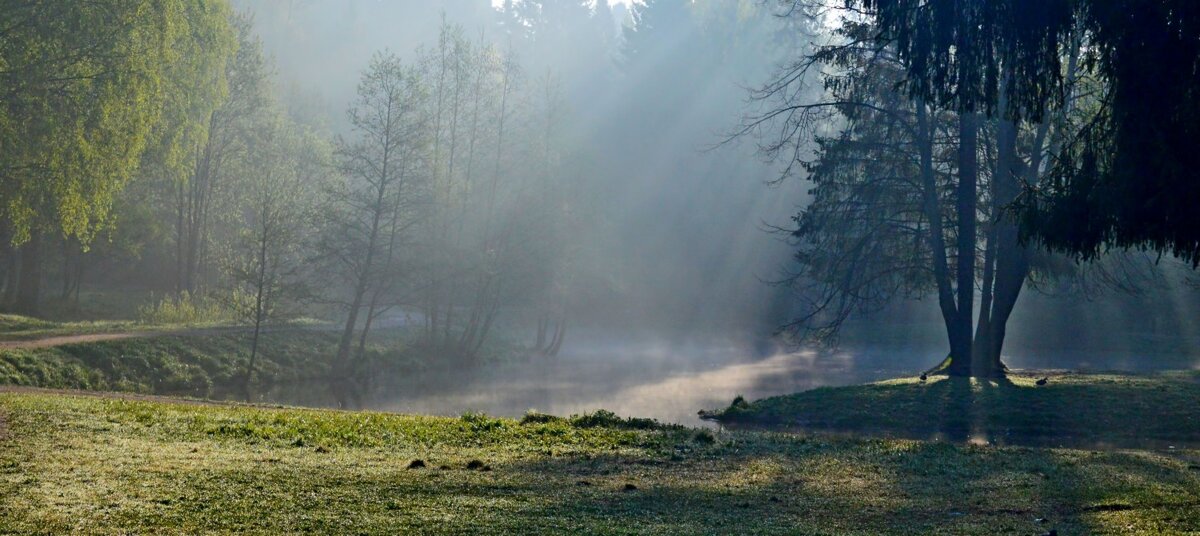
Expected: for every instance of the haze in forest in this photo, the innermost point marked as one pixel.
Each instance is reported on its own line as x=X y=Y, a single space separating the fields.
x=707 y=196
x=681 y=225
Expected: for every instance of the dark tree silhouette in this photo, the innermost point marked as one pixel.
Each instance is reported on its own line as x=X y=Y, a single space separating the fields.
x=1126 y=179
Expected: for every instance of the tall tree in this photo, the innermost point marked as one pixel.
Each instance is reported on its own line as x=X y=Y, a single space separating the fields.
x=905 y=196
x=222 y=149
x=266 y=264
x=367 y=212
x=88 y=88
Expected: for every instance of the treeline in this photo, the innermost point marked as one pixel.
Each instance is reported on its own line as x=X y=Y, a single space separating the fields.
x=450 y=199
x=146 y=146
x=97 y=96
x=227 y=194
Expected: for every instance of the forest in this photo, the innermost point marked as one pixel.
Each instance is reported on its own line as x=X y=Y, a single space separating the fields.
x=500 y=266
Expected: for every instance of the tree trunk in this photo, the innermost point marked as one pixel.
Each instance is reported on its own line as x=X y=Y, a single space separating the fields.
x=542 y=325
x=966 y=205
x=983 y=327
x=260 y=307
x=12 y=274
x=180 y=238
x=79 y=271
x=560 y=333
x=30 y=282
x=933 y=212
x=1011 y=257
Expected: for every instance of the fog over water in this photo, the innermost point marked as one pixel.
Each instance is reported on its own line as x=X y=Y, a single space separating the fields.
x=670 y=379
x=675 y=314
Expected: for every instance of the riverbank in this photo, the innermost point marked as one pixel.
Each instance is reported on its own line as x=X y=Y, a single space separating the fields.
x=292 y=365
x=204 y=363
x=105 y=464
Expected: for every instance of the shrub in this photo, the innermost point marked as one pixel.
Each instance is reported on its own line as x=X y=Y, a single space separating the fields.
x=603 y=418
x=481 y=423
x=533 y=417
x=704 y=437
x=184 y=309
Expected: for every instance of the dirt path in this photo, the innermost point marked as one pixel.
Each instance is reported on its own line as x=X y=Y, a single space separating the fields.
x=165 y=399
x=59 y=340
x=109 y=394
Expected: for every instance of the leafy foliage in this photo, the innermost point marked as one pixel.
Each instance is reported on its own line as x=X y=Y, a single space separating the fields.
x=87 y=87
x=185 y=308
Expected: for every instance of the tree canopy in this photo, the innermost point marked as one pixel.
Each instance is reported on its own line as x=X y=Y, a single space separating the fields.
x=85 y=86
x=1128 y=178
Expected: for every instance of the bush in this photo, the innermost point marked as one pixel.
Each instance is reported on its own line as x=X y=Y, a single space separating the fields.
x=533 y=417
x=481 y=423
x=603 y=418
x=704 y=437
x=184 y=309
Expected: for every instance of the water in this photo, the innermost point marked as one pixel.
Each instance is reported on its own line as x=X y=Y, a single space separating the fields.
x=671 y=379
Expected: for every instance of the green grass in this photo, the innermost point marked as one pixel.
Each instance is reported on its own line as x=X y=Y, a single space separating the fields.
x=90 y=465
x=1109 y=409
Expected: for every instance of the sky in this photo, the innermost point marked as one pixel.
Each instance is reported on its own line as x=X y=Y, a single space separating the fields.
x=498 y=3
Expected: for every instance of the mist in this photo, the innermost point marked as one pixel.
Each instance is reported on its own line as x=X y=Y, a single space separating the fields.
x=599 y=267
x=596 y=206
x=666 y=212
x=678 y=238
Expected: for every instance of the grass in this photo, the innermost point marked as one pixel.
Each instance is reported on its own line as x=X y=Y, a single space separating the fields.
x=1106 y=409
x=96 y=465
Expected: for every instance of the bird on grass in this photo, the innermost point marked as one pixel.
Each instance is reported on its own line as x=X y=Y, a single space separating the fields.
x=1042 y=381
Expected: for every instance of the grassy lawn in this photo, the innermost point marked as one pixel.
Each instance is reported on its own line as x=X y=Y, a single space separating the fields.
x=1111 y=410
x=84 y=464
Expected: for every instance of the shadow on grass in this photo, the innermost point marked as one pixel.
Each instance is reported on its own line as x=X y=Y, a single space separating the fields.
x=790 y=486
x=1078 y=410
x=159 y=478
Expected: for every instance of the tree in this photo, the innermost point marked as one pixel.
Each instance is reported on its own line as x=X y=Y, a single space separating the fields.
x=474 y=104
x=367 y=214
x=547 y=245
x=72 y=138
x=267 y=256
x=905 y=197
x=494 y=244
x=222 y=149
